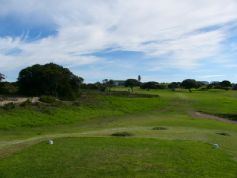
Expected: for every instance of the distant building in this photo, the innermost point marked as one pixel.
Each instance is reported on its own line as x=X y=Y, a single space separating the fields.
x=119 y=82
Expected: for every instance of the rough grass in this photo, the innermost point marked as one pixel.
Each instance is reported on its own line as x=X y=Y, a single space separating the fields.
x=119 y=157
x=86 y=109
x=137 y=156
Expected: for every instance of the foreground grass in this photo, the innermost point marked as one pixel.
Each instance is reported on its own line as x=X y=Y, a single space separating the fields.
x=119 y=157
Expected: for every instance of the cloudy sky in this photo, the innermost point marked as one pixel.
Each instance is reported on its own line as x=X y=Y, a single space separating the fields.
x=162 y=40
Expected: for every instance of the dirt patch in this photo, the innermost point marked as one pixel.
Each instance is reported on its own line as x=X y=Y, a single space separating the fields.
x=213 y=117
x=18 y=100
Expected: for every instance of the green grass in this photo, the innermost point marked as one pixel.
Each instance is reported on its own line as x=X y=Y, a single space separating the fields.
x=100 y=106
x=116 y=157
x=182 y=150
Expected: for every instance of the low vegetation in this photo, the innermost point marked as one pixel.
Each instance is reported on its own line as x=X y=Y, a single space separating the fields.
x=47 y=99
x=122 y=134
x=86 y=108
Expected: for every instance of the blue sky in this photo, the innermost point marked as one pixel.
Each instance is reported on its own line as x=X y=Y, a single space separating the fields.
x=159 y=40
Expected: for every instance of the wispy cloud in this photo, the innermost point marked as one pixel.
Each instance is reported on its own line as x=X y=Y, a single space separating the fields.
x=170 y=34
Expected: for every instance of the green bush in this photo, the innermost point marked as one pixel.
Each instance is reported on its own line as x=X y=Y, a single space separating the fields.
x=122 y=134
x=26 y=103
x=45 y=110
x=47 y=99
x=9 y=106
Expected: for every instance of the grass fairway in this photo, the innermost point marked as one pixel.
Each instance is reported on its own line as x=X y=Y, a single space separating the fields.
x=119 y=157
x=167 y=138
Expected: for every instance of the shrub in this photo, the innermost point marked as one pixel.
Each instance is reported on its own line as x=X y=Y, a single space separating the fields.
x=45 y=110
x=7 y=88
x=26 y=103
x=47 y=99
x=9 y=106
x=122 y=134
x=234 y=87
x=76 y=103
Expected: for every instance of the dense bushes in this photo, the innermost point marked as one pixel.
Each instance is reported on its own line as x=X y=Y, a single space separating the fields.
x=49 y=79
x=153 y=85
x=8 y=106
x=7 y=88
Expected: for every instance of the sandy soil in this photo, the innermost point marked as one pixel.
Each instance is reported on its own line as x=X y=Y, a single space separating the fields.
x=18 y=100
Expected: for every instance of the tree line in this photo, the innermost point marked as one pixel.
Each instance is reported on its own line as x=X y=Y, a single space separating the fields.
x=54 y=80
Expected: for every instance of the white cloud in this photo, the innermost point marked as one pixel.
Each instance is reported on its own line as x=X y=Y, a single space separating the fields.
x=156 y=27
x=211 y=76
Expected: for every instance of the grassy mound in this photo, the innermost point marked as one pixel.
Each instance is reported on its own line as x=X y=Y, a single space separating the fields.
x=77 y=111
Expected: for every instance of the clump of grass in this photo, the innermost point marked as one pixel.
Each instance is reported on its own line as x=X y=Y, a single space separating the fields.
x=26 y=103
x=122 y=134
x=9 y=106
x=47 y=99
x=45 y=110
x=223 y=134
x=159 y=128
x=76 y=103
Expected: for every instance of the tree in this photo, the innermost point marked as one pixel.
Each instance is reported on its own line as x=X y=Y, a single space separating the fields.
x=49 y=79
x=2 y=77
x=108 y=84
x=139 y=78
x=225 y=84
x=234 y=87
x=149 y=85
x=131 y=83
x=174 y=85
x=189 y=84
x=8 y=88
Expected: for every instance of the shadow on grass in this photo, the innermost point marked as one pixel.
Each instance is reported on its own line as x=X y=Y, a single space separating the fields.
x=159 y=128
x=229 y=116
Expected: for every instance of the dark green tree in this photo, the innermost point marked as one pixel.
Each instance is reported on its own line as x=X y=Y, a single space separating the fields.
x=108 y=84
x=49 y=79
x=149 y=85
x=131 y=83
x=2 y=77
x=225 y=84
x=174 y=85
x=139 y=78
x=189 y=84
x=234 y=87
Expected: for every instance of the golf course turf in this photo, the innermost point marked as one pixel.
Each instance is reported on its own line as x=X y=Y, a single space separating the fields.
x=163 y=137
